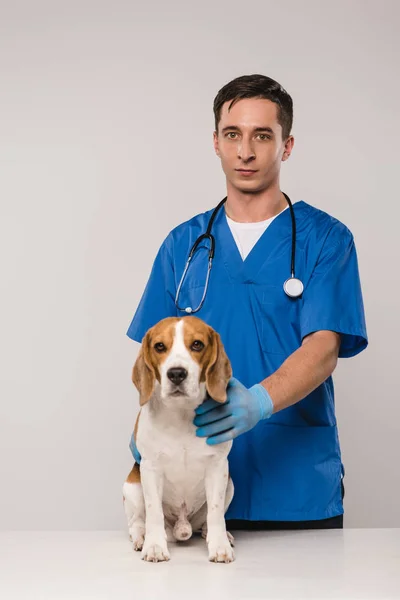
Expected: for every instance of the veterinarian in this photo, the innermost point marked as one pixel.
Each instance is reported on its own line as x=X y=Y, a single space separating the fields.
x=285 y=460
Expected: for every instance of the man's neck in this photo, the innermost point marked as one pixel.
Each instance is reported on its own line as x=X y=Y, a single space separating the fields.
x=251 y=208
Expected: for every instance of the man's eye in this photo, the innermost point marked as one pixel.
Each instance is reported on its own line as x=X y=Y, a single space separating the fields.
x=159 y=347
x=197 y=346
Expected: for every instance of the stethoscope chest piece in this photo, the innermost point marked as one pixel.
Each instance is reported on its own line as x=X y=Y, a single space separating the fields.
x=293 y=287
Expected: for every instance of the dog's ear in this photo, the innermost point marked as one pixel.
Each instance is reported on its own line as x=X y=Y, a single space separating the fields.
x=219 y=370
x=143 y=373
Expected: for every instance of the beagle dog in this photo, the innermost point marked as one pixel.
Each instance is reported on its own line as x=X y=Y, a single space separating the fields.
x=182 y=484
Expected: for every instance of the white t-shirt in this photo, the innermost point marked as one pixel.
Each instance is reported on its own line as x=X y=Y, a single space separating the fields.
x=246 y=235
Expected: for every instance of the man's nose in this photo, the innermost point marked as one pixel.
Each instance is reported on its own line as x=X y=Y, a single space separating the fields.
x=177 y=375
x=245 y=150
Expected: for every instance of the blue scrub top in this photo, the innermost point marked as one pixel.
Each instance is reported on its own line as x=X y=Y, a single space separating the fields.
x=287 y=467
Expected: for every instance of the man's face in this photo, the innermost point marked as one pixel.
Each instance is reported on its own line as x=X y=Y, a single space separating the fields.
x=250 y=137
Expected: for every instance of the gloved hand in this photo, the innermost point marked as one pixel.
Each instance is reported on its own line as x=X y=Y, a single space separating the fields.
x=134 y=450
x=243 y=409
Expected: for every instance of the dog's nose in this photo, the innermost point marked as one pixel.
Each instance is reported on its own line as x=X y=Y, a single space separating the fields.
x=177 y=375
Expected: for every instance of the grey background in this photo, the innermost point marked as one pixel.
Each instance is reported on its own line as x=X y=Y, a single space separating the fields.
x=105 y=145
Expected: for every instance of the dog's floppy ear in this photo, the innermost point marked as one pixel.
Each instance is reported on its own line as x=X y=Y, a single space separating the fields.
x=219 y=370
x=143 y=373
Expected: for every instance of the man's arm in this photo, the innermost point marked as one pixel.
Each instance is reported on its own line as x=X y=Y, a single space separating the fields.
x=299 y=375
x=304 y=370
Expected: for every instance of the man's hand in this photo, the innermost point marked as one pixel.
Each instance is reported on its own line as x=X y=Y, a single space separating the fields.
x=243 y=409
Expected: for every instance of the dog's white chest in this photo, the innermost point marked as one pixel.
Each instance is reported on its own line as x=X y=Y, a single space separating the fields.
x=184 y=479
x=173 y=448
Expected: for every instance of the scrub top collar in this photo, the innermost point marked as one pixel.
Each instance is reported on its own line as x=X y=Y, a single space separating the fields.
x=276 y=234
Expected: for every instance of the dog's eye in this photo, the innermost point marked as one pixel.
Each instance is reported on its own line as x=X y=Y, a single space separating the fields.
x=197 y=346
x=159 y=347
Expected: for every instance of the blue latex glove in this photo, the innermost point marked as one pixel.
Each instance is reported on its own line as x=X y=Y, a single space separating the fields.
x=243 y=409
x=134 y=450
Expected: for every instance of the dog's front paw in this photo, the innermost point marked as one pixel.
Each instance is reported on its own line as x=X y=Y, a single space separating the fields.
x=136 y=535
x=229 y=535
x=138 y=542
x=220 y=549
x=155 y=551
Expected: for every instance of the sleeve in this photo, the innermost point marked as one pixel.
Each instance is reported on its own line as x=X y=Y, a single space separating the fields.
x=158 y=299
x=332 y=299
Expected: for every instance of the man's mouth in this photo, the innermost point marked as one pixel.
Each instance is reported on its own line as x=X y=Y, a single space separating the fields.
x=246 y=171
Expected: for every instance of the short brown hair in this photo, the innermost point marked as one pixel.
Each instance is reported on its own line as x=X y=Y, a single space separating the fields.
x=257 y=86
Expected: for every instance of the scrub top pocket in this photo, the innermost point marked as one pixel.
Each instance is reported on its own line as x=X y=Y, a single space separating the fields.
x=279 y=321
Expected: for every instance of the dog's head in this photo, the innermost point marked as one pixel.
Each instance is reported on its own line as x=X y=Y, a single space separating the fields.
x=180 y=356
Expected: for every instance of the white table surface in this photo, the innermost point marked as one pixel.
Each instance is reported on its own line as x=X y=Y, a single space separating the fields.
x=348 y=563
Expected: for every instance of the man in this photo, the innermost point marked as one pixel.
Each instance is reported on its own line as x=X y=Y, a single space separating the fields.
x=285 y=461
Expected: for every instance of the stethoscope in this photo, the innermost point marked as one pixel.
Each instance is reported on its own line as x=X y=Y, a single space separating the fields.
x=293 y=287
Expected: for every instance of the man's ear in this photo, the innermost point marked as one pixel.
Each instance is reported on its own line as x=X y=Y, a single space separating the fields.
x=219 y=370
x=143 y=373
